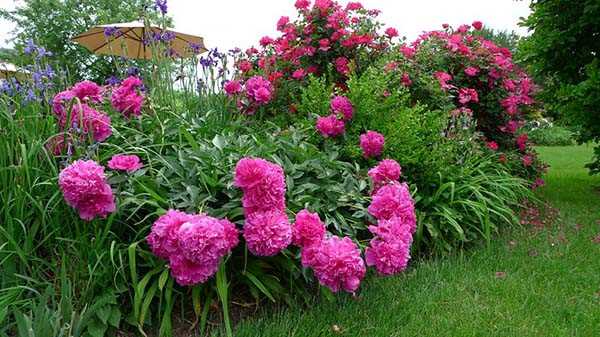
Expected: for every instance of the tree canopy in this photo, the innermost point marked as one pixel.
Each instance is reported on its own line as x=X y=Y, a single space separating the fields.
x=52 y=24
x=563 y=52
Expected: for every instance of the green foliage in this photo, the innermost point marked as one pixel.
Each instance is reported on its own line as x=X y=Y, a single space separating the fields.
x=53 y=23
x=415 y=134
x=471 y=201
x=563 y=51
x=564 y=38
x=552 y=136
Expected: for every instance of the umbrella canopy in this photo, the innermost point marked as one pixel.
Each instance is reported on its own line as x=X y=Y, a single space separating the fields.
x=134 y=40
x=8 y=70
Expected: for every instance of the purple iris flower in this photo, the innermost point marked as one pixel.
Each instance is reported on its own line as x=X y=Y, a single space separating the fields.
x=161 y=5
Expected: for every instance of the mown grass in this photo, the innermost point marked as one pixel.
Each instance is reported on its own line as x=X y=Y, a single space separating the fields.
x=526 y=283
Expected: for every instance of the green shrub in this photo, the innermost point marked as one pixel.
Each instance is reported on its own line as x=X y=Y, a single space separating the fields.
x=552 y=136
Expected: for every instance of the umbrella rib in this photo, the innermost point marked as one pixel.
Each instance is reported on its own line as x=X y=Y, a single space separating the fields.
x=108 y=41
x=80 y=36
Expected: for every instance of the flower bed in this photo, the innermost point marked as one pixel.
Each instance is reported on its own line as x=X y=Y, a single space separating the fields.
x=334 y=152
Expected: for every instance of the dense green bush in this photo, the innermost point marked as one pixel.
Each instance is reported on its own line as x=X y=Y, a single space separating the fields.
x=543 y=132
x=562 y=52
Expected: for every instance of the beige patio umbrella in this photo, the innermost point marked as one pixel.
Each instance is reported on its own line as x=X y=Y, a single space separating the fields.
x=132 y=40
x=8 y=70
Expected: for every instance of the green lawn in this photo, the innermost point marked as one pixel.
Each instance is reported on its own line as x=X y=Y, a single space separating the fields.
x=527 y=283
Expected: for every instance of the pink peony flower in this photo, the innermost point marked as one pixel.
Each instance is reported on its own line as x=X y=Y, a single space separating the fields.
x=302 y=4
x=471 y=71
x=395 y=228
x=92 y=122
x=188 y=273
x=87 y=91
x=59 y=103
x=511 y=104
x=336 y=262
x=353 y=6
x=466 y=95
x=282 y=22
x=408 y=52
x=126 y=98
x=341 y=65
x=122 y=162
x=205 y=240
x=263 y=184
x=443 y=78
x=522 y=141
x=265 y=41
x=163 y=239
x=492 y=145
x=308 y=229
x=527 y=160
x=388 y=257
x=324 y=44
x=393 y=200
x=298 y=74
x=372 y=144
x=267 y=233
x=478 y=25
x=539 y=182
x=85 y=188
x=245 y=66
x=259 y=89
x=463 y=29
x=342 y=106
x=406 y=81
x=232 y=87
x=387 y=171
x=330 y=126
x=323 y=5
x=391 y=32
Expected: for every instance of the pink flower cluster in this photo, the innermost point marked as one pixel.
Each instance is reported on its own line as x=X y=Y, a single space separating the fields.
x=259 y=89
x=194 y=244
x=389 y=250
x=372 y=144
x=85 y=188
x=267 y=230
x=325 y=35
x=256 y=91
x=308 y=229
x=386 y=172
x=393 y=207
x=336 y=262
x=335 y=124
x=92 y=122
x=127 y=97
x=83 y=119
x=123 y=162
x=87 y=91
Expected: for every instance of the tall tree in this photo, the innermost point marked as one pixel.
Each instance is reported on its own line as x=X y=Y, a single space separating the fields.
x=52 y=24
x=563 y=52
